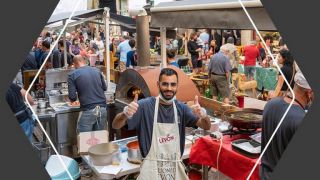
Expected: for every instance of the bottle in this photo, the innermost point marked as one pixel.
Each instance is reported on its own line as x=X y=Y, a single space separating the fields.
x=207 y=93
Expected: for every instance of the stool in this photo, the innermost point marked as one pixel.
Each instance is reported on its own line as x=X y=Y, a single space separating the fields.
x=56 y=170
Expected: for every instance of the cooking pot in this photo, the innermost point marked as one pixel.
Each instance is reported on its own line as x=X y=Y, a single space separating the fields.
x=238 y=118
x=103 y=154
x=134 y=155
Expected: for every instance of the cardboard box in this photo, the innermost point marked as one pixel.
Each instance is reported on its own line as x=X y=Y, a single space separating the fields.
x=87 y=139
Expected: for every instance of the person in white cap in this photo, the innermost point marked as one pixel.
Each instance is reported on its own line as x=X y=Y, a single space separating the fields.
x=272 y=115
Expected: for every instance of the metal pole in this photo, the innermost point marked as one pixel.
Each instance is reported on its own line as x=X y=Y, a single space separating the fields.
x=205 y=171
x=163 y=47
x=107 y=21
x=65 y=46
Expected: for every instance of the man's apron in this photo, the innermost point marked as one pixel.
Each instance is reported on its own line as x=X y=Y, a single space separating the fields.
x=163 y=160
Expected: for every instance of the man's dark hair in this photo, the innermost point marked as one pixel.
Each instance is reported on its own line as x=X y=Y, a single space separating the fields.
x=132 y=43
x=48 y=34
x=126 y=37
x=46 y=44
x=168 y=72
x=171 y=53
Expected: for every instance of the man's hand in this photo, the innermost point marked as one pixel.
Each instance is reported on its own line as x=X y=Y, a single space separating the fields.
x=132 y=108
x=197 y=109
x=204 y=120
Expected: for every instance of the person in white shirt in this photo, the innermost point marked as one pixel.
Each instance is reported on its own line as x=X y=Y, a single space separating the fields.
x=233 y=53
x=99 y=43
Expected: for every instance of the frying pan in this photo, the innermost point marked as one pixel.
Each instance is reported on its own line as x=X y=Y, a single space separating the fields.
x=243 y=123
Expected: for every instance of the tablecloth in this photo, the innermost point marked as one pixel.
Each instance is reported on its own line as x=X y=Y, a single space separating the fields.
x=231 y=163
x=265 y=77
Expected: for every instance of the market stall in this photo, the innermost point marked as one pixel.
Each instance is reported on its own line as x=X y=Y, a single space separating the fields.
x=142 y=81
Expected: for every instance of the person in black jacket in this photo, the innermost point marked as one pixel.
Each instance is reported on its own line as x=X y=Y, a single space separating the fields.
x=58 y=56
x=272 y=116
x=15 y=98
x=193 y=49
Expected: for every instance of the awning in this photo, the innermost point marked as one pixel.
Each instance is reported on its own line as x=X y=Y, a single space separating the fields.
x=76 y=15
x=217 y=14
x=127 y=23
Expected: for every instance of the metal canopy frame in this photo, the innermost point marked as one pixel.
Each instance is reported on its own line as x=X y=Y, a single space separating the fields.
x=216 y=14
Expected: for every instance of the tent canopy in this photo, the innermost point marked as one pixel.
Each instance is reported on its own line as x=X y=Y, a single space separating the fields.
x=91 y=15
x=78 y=14
x=217 y=14
x=126 y=23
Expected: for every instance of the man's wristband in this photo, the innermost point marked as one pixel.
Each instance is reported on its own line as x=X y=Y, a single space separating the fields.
x=126 y=113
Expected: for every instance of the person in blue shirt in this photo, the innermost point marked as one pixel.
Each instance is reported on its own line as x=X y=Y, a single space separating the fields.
x=123 y=48
x=171 y=53
x=131 y=55
x=45 y=48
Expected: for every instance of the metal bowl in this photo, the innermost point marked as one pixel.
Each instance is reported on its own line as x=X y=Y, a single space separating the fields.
x=134 y=155
x=103 y=154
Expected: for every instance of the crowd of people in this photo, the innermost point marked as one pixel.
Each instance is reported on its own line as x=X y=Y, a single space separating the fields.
x=79 y=47
x=77 y=42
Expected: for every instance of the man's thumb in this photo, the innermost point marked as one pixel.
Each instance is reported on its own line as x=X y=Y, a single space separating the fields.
x=135 y=98
x=196 y=100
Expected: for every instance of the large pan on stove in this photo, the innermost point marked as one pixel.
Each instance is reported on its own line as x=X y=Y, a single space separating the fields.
x=244 y=119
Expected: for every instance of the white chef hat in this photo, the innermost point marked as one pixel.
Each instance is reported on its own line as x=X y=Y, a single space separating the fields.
x=301 y=81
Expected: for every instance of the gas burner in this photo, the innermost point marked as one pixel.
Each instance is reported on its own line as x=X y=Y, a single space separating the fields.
x=235 y=131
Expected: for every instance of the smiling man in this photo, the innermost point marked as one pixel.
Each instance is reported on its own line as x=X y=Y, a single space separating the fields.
x=160 y=122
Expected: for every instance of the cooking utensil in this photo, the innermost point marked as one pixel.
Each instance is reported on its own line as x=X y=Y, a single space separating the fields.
x=246 y=119
x=214 y=125
x=54 y=92
x=103 y=154
x=134 y=155
x=42 y=103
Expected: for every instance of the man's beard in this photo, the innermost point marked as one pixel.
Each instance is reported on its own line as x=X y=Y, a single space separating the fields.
x=167 y=100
